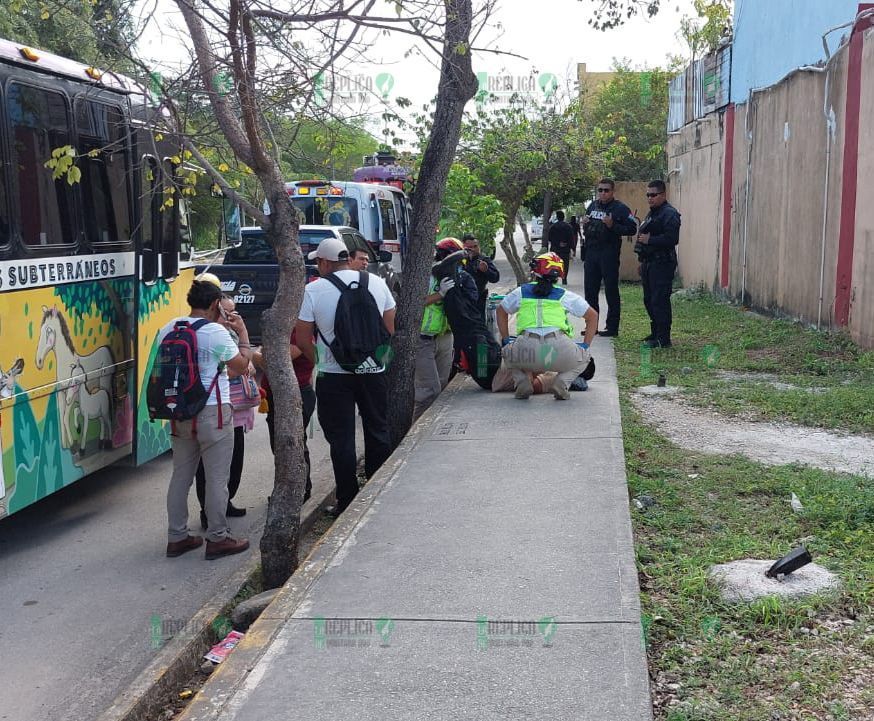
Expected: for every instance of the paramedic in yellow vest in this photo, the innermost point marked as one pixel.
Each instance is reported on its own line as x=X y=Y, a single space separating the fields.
x=435 y=350
x=544 y=334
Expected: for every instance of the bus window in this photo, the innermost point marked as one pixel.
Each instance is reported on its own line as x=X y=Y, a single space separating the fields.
x=105 y=207
x=5 y=225
x=39 y=123
x=389 y=225
x=149 y=206
x=170 y=240
x=184 y=230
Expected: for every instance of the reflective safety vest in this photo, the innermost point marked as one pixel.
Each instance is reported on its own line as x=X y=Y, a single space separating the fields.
x=539 y=312
x=434 y=321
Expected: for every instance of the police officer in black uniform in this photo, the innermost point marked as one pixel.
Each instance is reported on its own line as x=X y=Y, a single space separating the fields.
x=482 y=268
x=605 y=222
x=656 y=249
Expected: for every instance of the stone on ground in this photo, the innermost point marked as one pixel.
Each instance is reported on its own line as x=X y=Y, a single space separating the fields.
x=745 y=580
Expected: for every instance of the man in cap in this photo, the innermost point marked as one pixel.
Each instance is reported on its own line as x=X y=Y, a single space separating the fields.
x=340 y=389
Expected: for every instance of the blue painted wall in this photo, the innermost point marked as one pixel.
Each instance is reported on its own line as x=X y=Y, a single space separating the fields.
x=771 y=37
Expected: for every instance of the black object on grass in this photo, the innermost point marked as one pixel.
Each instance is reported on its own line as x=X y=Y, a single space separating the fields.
x=792 y=561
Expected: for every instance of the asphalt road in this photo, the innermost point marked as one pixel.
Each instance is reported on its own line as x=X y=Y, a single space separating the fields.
x=83 y=573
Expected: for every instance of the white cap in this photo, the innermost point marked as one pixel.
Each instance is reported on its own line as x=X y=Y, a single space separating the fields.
x=330 y=249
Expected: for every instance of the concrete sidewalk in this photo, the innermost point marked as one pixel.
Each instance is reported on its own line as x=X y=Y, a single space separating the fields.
x=487 y=572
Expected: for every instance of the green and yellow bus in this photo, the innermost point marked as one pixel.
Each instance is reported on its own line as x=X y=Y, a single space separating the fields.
x=89 y=272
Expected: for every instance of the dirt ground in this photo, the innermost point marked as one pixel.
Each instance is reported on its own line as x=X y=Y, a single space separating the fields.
x=773 y=444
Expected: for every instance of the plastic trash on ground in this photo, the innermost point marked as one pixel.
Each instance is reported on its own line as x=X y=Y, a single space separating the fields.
x=220 y=651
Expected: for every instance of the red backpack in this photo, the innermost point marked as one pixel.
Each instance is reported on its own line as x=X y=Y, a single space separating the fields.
x=175 y=391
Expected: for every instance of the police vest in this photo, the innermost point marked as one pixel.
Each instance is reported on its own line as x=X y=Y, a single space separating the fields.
x=434 y=321
x=539 y=312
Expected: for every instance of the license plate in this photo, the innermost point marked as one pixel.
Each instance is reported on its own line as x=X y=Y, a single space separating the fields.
x=244 y=299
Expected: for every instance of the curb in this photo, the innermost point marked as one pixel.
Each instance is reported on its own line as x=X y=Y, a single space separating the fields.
x=147 y=693
x=228 y=677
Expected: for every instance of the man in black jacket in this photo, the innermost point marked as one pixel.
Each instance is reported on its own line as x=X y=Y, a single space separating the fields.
x=604 y=224
x=476 y=350
x=481 y=268
x=561 y=239
x=656 y=249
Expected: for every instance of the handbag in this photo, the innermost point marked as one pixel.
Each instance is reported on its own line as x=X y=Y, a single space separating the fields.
x=244 y=392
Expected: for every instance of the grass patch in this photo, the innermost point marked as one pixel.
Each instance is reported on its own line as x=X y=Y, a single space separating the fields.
x=745 y=364
x=771 y=660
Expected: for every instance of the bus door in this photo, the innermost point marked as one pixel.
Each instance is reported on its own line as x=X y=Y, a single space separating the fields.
x=164 y=278
x=389 y=229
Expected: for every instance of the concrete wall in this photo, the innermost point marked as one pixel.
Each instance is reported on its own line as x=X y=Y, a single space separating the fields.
x=633 y=194
x=786 y=193
x=772 y=37
x=862 y=303
x=695 y=157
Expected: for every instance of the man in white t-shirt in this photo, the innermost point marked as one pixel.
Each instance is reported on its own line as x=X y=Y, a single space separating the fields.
x=210 y=435
x=338 y=391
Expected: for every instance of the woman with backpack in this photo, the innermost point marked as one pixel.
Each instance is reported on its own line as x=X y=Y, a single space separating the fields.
x=244 y=397
x=189 y=386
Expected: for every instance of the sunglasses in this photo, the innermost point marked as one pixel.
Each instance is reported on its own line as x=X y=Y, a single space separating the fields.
x=652 y=195
x=604 y=190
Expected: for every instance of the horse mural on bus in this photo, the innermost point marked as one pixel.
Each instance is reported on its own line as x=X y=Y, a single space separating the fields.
x=54 y=336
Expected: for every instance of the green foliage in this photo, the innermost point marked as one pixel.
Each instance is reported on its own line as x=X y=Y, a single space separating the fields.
x=628 y=116
x=468 y=209
x=704 y=32
x=97 y=32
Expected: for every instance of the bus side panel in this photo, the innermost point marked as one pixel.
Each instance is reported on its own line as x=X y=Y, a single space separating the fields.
x=66 y=374
x=158 y=304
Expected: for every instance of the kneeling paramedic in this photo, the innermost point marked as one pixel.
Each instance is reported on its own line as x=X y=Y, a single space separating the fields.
x=544 y=340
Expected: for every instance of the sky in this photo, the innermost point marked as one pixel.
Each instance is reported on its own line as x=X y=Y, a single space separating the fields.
x=552 y=36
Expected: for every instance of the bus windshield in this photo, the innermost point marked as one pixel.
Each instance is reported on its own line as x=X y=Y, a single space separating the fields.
x=327 y=210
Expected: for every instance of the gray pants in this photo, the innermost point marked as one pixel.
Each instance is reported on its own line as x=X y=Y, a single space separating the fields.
x=553 y=352
x=433 y=364
x=216 y=447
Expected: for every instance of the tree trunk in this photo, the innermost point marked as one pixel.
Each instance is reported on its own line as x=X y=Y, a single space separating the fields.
x=279 y=544
x=457 y=85
x=547 y=214
x=524 y=227
x=509 y=245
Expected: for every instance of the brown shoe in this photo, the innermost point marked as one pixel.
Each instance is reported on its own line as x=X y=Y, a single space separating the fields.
x=177 y=548
x=226 y=547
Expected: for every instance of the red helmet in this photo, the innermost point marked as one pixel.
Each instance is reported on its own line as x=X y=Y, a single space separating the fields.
x=446 y=247
x=450 y=245
x=547 y=265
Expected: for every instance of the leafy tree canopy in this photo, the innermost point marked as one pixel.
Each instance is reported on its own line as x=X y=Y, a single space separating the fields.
x=467 y=208
x=97 y=32
x=629 y=116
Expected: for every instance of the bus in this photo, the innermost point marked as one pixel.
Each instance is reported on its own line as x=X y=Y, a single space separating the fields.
x=380 y=212
x=89 y=272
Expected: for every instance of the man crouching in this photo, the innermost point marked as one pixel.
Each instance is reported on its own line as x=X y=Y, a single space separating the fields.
x=544 y=340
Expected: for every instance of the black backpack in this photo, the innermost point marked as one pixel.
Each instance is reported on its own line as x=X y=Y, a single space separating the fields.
x=175 y=391
x=361 y=340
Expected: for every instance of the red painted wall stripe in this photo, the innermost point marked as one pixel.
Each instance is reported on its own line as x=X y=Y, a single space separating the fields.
x=846 y=239
x=727 y=173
